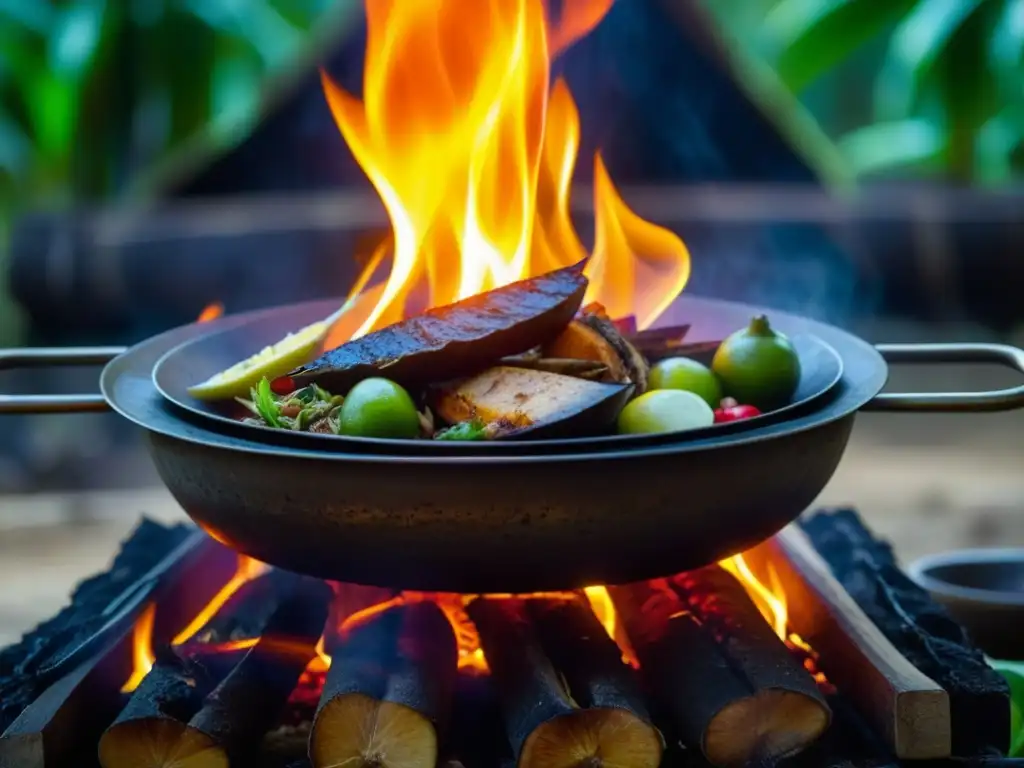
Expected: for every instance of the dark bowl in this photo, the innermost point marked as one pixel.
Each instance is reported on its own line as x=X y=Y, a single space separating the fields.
x=984 y=590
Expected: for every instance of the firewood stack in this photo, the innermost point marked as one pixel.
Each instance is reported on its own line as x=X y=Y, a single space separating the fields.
x=696 y=674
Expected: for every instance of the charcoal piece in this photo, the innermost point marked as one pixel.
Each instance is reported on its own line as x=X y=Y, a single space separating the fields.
x=919 y=627
x=144 y=548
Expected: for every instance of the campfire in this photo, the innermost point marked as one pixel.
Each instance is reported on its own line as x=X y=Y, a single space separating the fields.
x=762 y=657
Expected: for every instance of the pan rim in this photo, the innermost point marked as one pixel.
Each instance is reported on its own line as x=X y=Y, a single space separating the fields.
x=151 y=412
x=338 y=443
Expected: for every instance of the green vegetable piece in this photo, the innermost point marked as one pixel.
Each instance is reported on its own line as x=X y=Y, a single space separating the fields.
x=377 y=407
x=689 y=375
x=266 y=404
x=1013 y=672
x=665 y=410
x=465 y=430
x=758 y=366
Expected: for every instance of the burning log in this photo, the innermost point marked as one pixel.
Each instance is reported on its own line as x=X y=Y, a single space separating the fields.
x=730 y=686
x=909 y=710
x=177 y=712
x=250 y=699
x=599 y=720
x=388 y=696
x=922 y=631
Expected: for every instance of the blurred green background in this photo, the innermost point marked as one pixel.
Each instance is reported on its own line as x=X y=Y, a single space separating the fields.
x=99 y=97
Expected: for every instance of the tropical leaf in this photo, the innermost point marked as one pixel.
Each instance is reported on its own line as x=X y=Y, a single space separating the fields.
x=813 y=36
x=916 y=44
x=883 y=147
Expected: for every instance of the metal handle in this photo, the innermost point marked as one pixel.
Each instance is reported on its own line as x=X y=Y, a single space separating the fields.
x=46 y=357
x=951 y=402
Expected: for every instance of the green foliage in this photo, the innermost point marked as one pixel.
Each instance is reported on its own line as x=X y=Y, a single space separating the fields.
x=95 y=94
x=946 y=94
x=94 y=91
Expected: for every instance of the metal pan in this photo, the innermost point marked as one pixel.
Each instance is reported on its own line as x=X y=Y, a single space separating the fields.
x=509 y=522
x=199 y=358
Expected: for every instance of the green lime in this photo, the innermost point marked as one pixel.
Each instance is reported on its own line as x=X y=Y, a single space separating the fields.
x=758 y=366
x=665 y=410
x=378 y=408
x=687 y=374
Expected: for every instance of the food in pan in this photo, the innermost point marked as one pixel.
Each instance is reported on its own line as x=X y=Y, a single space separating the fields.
x=758 y=366
x=525 y=361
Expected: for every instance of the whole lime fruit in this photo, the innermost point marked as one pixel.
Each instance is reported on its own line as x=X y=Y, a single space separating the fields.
x=665 y=410
x=378 y=408
x=758 y=366
x=684 y=373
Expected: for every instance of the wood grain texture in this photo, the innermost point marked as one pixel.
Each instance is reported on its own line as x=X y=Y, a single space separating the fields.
x=907 y=708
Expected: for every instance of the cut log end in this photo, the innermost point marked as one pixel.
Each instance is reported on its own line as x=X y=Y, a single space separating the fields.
x=158 y=743
x=773 y=724
x=358 y=731
x=593 y=738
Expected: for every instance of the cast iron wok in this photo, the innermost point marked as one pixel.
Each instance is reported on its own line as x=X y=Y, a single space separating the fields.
x=201 y=357
x=510 y=522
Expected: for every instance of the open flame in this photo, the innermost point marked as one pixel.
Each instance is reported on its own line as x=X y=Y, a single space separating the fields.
x=142 y=649
x=210 y=312
x=770 y=599
x=472 y=151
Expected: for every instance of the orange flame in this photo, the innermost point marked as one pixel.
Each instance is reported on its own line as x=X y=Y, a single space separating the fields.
x=142 y=641
x=142 y=649
x=248 y=569
x=770 y=599
x=472 y=152
x=210 y=312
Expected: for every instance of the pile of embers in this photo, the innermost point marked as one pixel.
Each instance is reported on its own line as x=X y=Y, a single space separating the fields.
x=813 y=649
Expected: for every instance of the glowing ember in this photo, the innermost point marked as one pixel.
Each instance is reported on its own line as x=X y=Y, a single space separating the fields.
x=472 y=152
x=210 y=312
x=142 y=649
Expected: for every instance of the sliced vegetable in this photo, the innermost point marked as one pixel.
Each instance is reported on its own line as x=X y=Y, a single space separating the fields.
x=377 y=407
x=457 y=339
x=584 y=369
x=758 y=365
x=689 y=375
x=266 y=403
x=517 y=401
x=665 y=410
x=636 y=364
x=271 y=362
x=580 y=342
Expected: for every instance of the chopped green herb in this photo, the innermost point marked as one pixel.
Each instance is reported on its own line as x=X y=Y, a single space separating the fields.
x=466 y=430
x=266 y=404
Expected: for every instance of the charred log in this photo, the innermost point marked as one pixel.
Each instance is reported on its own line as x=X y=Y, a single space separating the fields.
x=729 y=685
x=69 y=716
x=149 y=730
x=544 y=721
x=921 y=629
x=387 y=698
x=249 y=701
